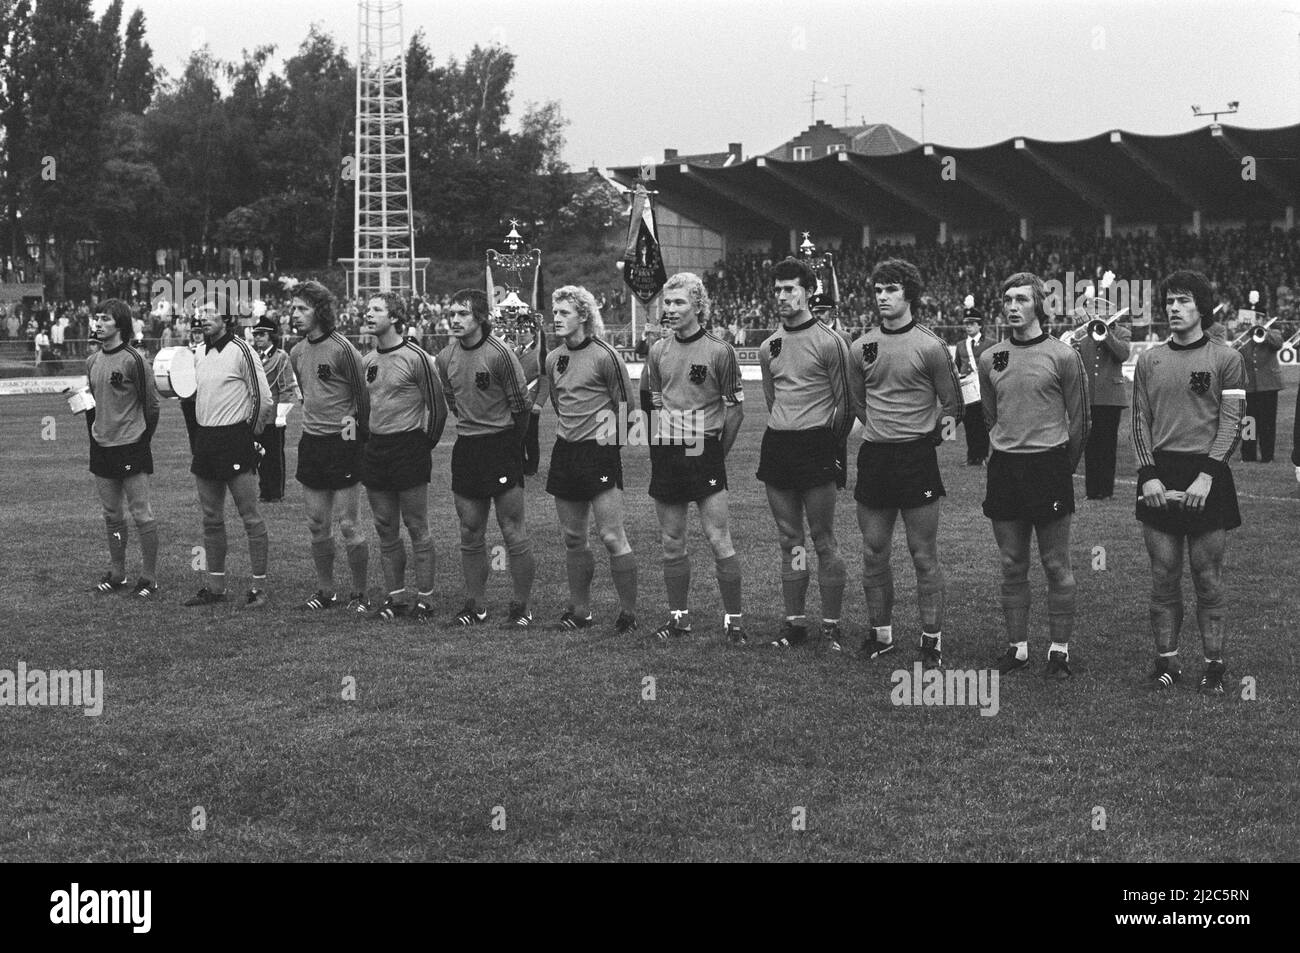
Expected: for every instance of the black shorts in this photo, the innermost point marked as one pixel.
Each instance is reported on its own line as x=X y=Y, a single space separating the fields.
x=842 y=464
x=223 y=453
x=898 y=476
x=1177 y=471
x=487 y=465
x=1038 y=487
x=678 y=477
x=583 y=470
x=800 y=459
x=329 y=462
x=397 y=461
x=118 y=463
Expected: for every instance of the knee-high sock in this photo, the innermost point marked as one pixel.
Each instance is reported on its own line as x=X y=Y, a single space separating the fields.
x=258 y=546
x=359 y=563
x=878 y=587
x=1015 y=610
x=1060 y=611
x=474 y=565
x=425 y=563
x=322 y=554
x=580 y=565
x=794 y=582
x=729 y=583
x=930 y=601
x=392 y=556
x=1166 y=616
x=1209 y=619
x=623 y=569
x=831 y=574
x=116 y=545
x=214 y=545
x=148 y=531
x=523 y=567
x=677 y=581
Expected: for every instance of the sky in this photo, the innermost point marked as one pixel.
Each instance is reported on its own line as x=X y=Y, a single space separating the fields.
x=695 y=75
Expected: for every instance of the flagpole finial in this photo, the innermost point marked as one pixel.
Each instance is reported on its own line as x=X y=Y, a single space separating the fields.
x=807 y=249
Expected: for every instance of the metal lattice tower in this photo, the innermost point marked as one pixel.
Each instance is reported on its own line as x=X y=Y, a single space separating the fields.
x=383 y=228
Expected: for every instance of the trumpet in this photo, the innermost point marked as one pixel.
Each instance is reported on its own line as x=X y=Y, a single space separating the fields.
x=1256 y=334
x=1096 y=327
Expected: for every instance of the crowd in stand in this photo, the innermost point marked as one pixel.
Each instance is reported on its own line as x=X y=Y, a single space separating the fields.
x=1237 y=261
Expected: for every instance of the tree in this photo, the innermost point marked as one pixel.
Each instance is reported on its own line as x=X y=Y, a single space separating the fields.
x=15 y=39
x=68 y=68
x=136 y=78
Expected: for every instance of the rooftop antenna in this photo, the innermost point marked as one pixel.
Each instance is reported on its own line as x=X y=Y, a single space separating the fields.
x=921 y=90
x=844 y=88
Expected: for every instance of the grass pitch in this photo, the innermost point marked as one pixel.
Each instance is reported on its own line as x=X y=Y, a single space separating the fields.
x=549 y=735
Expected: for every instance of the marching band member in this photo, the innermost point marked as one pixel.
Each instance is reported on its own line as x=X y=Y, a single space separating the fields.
x=232 y=407
x=589 y=389
x=1104 y=362
x=905 y=384
x=527 y=341
x=284 y=390
x=484 y=385
x=1187 y=404
x=1035 y=393
x=805 y=367
x=121 y=424
x=968 y=355
x=693 y=383
x=335 y=425
x=407 y=416
x=1263 y=381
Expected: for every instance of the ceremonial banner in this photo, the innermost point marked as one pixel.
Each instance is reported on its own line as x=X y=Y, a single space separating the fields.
x=643 y=264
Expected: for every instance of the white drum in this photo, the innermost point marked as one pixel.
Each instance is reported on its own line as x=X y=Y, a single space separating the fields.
x=173 y=372
x=970 y=389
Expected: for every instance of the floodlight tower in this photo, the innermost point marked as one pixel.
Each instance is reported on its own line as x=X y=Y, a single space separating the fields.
x=383 y=226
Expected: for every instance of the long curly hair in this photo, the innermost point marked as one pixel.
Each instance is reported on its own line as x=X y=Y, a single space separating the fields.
x=584 y=302
x=694 y=287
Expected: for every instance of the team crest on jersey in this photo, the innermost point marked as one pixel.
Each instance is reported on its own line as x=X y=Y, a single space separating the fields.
x=115 y=378
x=698 y=373
x=870 y=351
x=561 y=363
x=323 y=372
x=482 y=380
x=774 y=346
x=1000 y=360
x=1200 y=382
x=372 y=372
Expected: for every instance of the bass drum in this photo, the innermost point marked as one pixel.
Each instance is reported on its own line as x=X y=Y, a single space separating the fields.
x=173 y=372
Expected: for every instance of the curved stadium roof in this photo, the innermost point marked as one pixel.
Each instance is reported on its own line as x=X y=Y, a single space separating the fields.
x=1131 y=176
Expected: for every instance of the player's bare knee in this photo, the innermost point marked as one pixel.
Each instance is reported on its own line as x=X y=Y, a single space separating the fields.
x=471 y=538
x=614 y=539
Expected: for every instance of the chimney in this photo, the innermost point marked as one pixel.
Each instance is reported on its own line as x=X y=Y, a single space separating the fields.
x=670 y=154
x=734 y=149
